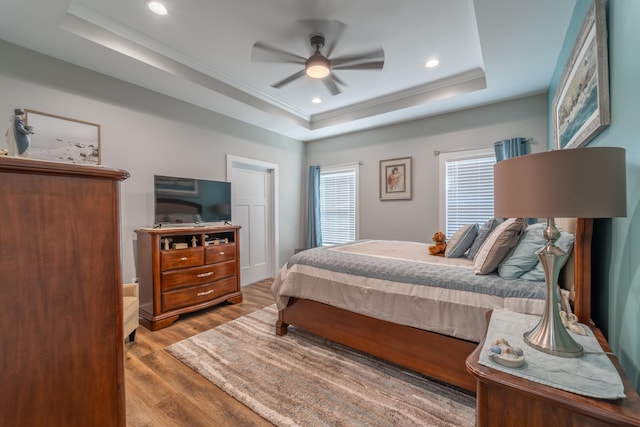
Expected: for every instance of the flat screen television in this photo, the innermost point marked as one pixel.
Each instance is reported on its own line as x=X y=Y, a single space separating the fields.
x=189 y=201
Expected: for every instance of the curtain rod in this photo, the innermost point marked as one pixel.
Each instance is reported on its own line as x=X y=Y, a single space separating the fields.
x=484 y=147
x=344 y=164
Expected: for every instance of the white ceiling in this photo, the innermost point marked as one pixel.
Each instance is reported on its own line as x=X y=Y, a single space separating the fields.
x=489 y=50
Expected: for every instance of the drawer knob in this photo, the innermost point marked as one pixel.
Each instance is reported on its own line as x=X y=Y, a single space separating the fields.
x=184 y=258
x=210 y=273
x=221 y=253
x=204 y=293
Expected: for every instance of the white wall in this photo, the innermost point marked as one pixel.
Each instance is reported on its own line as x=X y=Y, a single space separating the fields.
x=417 y=219
x=146 y=134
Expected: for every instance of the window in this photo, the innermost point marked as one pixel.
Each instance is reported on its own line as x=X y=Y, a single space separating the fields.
x=467 y=193
x=339 y=204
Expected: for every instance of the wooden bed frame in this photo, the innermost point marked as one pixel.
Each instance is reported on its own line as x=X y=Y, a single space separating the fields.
x=435 y=355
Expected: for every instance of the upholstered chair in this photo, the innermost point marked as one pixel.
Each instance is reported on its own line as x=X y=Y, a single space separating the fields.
x=130 y=309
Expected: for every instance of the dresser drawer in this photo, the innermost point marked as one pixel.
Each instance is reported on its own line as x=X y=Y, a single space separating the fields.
x=181 y=258
x=197 y=294
x=197 y=275
x=219 y=253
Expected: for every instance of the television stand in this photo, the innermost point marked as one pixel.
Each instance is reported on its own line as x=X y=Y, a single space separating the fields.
x=184 y=269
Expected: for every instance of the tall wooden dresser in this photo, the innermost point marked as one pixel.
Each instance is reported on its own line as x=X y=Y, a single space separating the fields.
x=61 y=360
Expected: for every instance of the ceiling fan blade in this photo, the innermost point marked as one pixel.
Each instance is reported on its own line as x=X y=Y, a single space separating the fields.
x=373 y=57
x=374 y=65
x=331 y=85
x=334 y=41
x=288 y=80
x=265 y=53
x=338 y=79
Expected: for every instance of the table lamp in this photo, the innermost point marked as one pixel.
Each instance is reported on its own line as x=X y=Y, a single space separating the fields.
x=579 y=182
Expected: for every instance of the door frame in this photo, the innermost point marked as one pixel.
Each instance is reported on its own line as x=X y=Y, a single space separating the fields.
x=244 y=163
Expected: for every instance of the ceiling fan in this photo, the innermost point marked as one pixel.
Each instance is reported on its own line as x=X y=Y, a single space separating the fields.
x=319 y=65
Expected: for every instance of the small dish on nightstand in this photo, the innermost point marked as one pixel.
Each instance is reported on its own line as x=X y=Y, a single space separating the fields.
x=509 y=361
x=504 y=354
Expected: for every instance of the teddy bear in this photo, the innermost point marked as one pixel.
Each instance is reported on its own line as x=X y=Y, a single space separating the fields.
x=441 y=244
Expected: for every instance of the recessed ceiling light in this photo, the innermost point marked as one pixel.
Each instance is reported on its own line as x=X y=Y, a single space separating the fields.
x=316 y=100
x=432 y=63
x=157 y=7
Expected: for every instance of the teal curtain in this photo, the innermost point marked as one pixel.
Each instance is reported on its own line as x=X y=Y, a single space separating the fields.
x=508 y=148
x=514 y=147
x=314 y=229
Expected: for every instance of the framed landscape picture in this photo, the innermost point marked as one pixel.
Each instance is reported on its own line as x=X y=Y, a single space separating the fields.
x=62 y=139
x=581 y=103
x=395 y=179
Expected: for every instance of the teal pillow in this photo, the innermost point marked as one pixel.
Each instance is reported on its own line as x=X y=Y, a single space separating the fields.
x=522 y=257
x=483 y=232
x=564 y=242
x=461 y=241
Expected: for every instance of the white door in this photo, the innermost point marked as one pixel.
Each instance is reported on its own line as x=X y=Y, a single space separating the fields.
x=252 y=190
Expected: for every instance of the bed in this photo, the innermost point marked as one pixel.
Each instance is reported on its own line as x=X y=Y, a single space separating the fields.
x=346 y=304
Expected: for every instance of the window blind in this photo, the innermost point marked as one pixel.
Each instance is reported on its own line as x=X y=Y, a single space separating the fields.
x=469 y=191
x=338 y=205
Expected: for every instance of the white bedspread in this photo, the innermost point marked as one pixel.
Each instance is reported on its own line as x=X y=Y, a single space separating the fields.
x=454 y=312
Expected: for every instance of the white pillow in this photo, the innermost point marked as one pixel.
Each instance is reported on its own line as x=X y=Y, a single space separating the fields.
x=497 y=245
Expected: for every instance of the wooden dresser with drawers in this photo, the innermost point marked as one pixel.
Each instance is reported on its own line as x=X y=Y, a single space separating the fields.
x=185 y=269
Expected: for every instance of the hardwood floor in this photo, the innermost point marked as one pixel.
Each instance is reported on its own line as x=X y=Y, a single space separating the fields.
x=161 y=391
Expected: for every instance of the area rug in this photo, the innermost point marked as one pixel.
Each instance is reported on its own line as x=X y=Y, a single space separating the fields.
x=303 y=380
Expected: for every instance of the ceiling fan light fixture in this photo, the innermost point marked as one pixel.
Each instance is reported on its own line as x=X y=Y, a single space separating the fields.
x=317 y=66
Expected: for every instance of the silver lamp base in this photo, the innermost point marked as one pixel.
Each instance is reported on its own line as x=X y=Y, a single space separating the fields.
x=550 y=336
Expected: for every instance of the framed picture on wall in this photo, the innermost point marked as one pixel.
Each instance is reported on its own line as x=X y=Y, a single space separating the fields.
x=581 y=103
x=62 y=139
x=395 y=179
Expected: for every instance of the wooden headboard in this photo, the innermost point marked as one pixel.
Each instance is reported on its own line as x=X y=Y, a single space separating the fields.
x=582 y=271
x=576 y=274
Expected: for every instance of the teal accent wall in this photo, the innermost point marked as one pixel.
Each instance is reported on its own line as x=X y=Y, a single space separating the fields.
x=616 y=251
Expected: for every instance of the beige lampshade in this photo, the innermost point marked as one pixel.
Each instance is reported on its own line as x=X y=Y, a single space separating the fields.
x=579 y=182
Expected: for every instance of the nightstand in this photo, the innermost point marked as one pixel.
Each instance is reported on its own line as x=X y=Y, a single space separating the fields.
x=506 y=400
